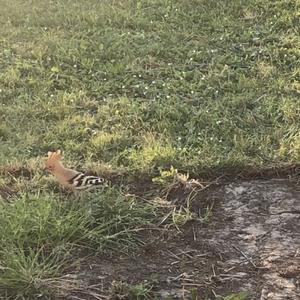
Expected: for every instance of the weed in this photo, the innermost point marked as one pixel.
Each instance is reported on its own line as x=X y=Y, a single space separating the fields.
x=141 y=291
x=204 y=218
x=182 y=215
x=121 y=290
x=165 y=176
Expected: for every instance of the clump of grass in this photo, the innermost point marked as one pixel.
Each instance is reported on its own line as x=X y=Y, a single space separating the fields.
x=181 y=216
x=178 y=193
x=116 y=218
x=33 y=221
x=24 y=272
x=41 y=232
x=38 y=235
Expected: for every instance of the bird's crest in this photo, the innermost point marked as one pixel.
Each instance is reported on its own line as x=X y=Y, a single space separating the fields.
x=53 y=157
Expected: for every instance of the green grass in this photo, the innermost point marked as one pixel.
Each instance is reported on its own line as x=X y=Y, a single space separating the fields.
x=120 y=290
x=41 y=234
x=146 y=84
x=133 y=87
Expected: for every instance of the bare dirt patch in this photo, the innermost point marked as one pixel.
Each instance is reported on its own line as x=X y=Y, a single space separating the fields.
x=251 y=242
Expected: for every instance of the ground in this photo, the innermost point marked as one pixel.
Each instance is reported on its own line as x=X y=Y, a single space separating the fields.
x=189 y=110
x=251 y=243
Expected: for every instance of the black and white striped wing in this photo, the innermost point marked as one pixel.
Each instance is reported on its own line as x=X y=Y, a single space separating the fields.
x=82 y=181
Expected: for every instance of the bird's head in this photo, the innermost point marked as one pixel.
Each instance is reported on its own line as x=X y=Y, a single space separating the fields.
x=53 y=160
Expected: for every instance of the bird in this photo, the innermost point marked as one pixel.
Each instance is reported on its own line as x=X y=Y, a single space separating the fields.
x=70 y=178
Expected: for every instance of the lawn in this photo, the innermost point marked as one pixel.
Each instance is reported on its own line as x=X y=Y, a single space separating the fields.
x=133 y=90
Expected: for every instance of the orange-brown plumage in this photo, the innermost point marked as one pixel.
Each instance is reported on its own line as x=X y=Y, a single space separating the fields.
x=69 y=178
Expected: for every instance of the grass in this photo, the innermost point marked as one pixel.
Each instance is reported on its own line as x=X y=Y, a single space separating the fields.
x=146 y=84
x=141 y=291
x=42 y=233
x=137 y=88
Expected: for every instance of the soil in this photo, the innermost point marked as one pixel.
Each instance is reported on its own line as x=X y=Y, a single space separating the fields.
x=251 y=242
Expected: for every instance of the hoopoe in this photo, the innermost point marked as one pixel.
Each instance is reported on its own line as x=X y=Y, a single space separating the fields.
x=69 y=178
